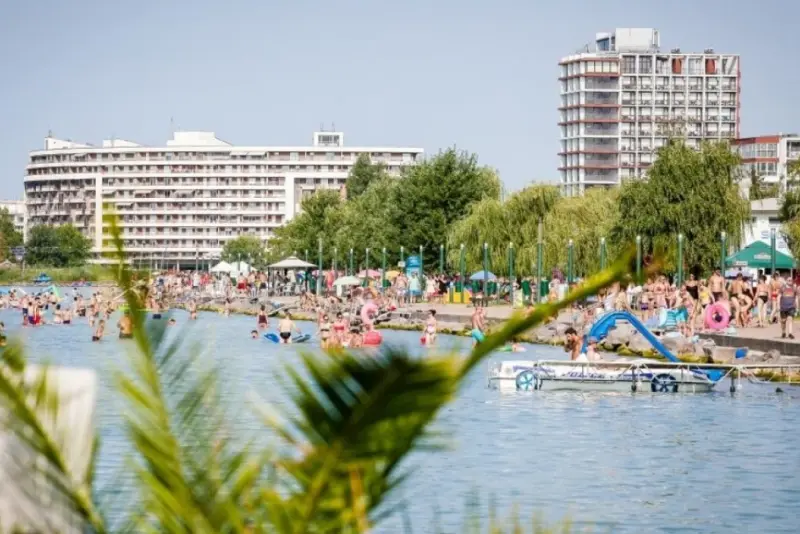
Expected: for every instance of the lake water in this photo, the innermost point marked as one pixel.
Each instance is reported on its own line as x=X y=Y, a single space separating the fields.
x=612 y=462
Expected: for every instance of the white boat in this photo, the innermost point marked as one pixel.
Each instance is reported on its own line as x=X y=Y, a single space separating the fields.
x=620 y=376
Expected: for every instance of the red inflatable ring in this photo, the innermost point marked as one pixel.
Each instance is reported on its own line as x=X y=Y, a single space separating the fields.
x=717 y=316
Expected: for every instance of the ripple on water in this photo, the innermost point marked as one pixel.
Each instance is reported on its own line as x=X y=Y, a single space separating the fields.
x=621 y=463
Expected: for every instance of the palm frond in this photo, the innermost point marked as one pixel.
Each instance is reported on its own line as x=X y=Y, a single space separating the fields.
x=191 y=477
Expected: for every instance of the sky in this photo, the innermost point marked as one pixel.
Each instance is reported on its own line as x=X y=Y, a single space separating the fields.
x=477 y=75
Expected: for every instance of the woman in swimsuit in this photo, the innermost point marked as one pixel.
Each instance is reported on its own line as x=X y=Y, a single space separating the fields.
x=339 y=329
x=57 y=319
x=430 y=328
x=262 y=321
x=324 y=332
x=743 y=305
x=762 y=297
x=192 y=310
x=659 y=290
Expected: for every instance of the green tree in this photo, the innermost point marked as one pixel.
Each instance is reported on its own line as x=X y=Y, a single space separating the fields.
x=9 y=236
x=759 y=189
x=438 y=192
x=319 y=217
x=362 y=174
x=246 y=248
x=789 y=215
x=498 y=224
x=693 y=192
x=369 y=221
x=57 y=246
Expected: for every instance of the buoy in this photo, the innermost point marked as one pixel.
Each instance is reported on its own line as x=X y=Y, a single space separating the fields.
x=717 y=316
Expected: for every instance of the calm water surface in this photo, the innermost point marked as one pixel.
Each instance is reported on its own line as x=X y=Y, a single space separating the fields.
x=621 y=463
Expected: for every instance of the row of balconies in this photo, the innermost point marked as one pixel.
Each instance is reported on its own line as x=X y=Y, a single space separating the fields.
x=677 y=117
x=270 y=156
x=677 y=102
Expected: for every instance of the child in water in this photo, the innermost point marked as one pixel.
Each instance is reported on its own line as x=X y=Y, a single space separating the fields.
x=253 y=334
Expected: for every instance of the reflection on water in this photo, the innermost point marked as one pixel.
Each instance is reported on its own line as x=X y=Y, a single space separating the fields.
x=627 y=463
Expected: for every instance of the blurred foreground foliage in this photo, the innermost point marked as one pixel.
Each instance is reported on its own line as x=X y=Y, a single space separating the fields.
x=339 y=447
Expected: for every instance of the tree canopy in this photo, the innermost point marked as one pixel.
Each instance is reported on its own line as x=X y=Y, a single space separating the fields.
x=245 y=248
x=693 y=192
x=9 y=236
x=416 y=209
x=362 y=174
x=57 y=246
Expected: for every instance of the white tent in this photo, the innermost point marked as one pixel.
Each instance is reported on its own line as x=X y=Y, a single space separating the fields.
x=222 y=267
x=239 y=268
x=292 y=262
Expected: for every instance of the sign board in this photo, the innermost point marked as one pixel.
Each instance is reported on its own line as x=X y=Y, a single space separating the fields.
x=740 y=264
x=18 y=252
x=412 y=265
x=764 y=257
x=401 y=264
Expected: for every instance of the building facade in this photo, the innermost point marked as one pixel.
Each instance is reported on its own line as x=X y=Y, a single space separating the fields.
x=178 y=204
x=768 y=156
x=624 y=98
x=764 y=219
x=17 y=210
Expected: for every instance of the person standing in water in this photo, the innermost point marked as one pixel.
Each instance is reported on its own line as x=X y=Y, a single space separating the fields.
x=478 y=326
x=430 y=328
x=572 y=343
x=192 y=310
x=125 y=326
x=262 y=320
x=285 y=328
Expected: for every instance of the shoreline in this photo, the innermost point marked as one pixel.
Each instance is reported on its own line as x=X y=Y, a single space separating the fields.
x=529 y=337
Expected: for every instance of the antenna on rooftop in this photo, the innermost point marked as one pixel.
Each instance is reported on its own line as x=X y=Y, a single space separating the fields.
x=333 y=126
x=171 y=125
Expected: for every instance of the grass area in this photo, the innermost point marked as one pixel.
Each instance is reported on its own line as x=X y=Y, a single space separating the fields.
x=87 y=273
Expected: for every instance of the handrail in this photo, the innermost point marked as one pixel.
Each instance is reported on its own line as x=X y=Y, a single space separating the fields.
x=656 y=363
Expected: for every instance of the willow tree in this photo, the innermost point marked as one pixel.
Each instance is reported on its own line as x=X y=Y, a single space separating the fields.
x=693 y=192
x=585 y=220
x=499 y=224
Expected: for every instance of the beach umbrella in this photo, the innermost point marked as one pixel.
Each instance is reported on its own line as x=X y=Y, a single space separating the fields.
x=480 y=276
x=292 y=262
x=391 y=275
x=372 y=273
x=347 y=281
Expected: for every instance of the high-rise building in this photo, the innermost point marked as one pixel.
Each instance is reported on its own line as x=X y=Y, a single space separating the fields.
x=768 y=157
x=623 y=98
x=178 y=204
x=16 y=208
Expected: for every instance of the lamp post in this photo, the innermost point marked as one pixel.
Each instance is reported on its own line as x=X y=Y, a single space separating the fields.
x=772 y=248
x=462 y=265
x=402 y=254
x=319 y=270
x=422 y=279
x=539 y=261
x=602 y=253
x=511 y=270
x=333 y=263
x=723 y=237
x=352 y=273
x=570 y=259
x=366 y=269
x=486 y=271
x=383 y=270
x=680 y=260
x=441 y=259
x=638 y=257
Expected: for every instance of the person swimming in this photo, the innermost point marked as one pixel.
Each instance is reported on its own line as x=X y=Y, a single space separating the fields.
x=254 y=334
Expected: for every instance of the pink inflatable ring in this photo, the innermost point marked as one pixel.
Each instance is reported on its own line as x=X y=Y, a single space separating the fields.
x=717 y=316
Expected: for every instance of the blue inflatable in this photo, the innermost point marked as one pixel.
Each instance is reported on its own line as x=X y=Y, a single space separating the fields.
x=272 y=337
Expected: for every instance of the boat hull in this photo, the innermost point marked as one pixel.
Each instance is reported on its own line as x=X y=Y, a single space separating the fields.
x=578 y=376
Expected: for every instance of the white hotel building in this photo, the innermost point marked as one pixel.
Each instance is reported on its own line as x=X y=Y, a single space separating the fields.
x=16 y=208
x=622 y=100
x=178 y=204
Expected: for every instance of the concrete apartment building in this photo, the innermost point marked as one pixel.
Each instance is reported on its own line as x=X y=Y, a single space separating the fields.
x=623 y=97
x=179 y=203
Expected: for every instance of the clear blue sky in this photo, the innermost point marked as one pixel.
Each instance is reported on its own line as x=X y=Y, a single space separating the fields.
x=436 y=73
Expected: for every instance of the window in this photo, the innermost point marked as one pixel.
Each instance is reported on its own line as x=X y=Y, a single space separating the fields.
x=645 y=64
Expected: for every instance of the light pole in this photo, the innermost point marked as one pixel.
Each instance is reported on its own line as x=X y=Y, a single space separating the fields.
x=462 y=265
x=772 y=248
x=366 y=269
x=638 y=258
x=570 y=259
x=319 y=270
x=602 y=253
x=723 y=251
x=511 y=270
x=383 y=270
x=352 y=272
x=680 y=260
x=486 y=271
x=441 y=259
x=539 y=261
